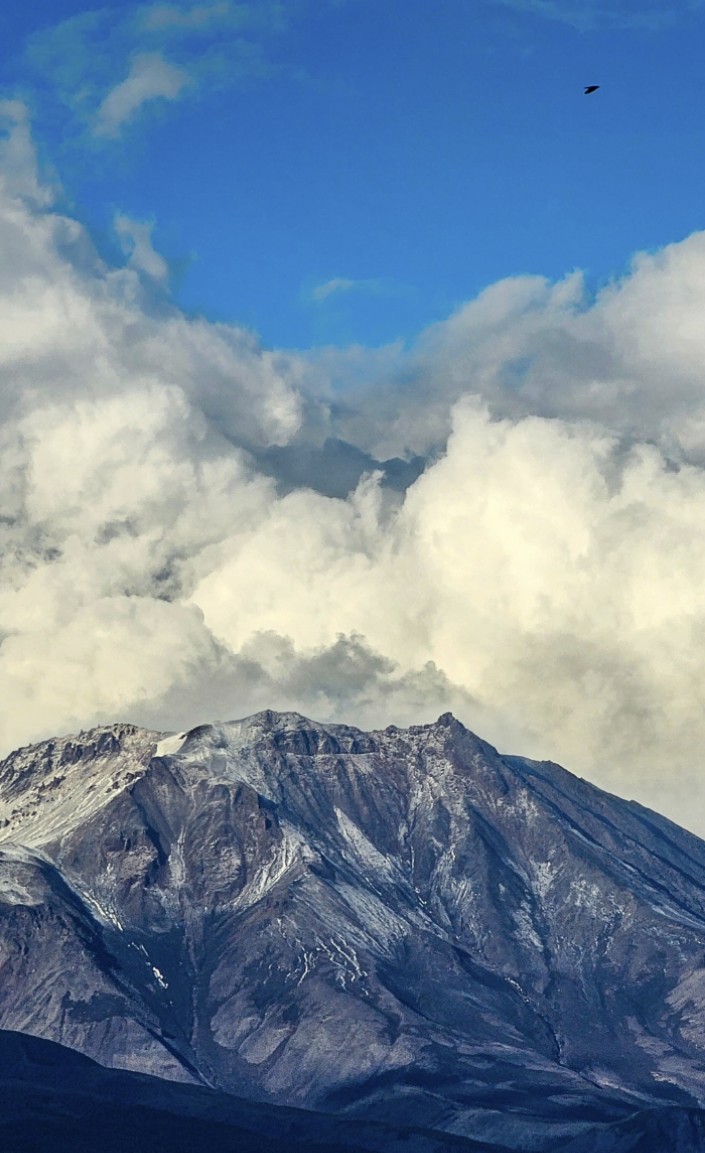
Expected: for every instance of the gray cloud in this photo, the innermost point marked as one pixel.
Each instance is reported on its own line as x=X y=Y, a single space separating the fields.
x=174 y=547
x=345 y=679
x=136 y=239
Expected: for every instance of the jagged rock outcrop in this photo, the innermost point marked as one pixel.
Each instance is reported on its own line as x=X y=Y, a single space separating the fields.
x=402 y=925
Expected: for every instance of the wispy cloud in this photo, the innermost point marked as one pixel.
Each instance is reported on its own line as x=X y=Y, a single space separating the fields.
x=170 y=17
x=150 y=77
x=340 y=285
x=179 y=19
x=110 y=65
x=587 y=15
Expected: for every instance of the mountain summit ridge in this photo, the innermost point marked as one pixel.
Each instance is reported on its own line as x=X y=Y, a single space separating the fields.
x=387 y=924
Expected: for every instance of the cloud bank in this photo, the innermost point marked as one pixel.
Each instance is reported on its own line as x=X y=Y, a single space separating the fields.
x=543 y=577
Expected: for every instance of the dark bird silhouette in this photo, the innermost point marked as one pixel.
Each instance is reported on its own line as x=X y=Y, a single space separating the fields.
x=591 y=88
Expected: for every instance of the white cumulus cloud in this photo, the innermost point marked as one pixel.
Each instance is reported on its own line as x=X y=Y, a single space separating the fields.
x=543 y=577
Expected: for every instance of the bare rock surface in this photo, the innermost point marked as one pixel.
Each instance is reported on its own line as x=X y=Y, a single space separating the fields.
x=401 y=926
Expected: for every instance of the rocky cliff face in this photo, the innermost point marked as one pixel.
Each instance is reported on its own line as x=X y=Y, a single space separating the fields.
x=393 y=925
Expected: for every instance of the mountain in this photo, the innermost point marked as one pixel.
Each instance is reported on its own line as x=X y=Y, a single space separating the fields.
x=399 y=927
x=54 y=1099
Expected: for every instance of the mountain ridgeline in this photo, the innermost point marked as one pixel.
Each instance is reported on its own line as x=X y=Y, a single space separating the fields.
x=400 y=935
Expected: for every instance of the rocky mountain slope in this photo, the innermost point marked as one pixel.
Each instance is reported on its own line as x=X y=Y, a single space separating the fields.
x=54 y=1099
x=400 y=926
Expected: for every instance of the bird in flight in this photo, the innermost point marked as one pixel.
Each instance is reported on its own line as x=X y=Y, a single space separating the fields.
x=591 y=88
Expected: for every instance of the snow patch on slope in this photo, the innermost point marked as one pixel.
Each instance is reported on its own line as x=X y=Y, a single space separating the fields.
x=169 y=746
x=366 y=853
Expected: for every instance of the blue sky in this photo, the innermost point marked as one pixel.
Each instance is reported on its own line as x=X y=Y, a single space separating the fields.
x=337 y=172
